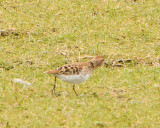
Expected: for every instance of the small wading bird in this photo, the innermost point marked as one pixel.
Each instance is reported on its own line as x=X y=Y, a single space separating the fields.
x=76 y=73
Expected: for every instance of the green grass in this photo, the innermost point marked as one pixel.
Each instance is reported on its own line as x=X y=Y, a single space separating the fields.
x=48 y=33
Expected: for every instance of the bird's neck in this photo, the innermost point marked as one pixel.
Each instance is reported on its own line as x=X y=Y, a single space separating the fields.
x=94 y=64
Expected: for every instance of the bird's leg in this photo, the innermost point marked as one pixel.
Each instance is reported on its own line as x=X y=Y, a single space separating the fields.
x=74 y=90
x=54 y=86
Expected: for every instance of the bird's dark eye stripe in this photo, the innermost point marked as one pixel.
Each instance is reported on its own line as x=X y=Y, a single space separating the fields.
x=92 y=64
x=61 y=71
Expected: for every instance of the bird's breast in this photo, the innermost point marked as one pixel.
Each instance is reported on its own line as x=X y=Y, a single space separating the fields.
x=75 y=79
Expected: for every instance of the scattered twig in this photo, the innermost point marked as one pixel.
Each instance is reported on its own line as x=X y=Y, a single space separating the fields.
x=8 y=32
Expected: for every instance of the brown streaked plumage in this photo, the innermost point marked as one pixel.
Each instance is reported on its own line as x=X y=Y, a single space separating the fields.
x=76 y=73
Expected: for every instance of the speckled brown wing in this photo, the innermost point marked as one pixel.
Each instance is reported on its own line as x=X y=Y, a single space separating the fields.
x=70 y=69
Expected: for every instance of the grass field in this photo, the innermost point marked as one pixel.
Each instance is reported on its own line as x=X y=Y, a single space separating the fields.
x=38 y=35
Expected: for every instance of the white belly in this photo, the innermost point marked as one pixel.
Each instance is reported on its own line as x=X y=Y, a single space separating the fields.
x=75 y=79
